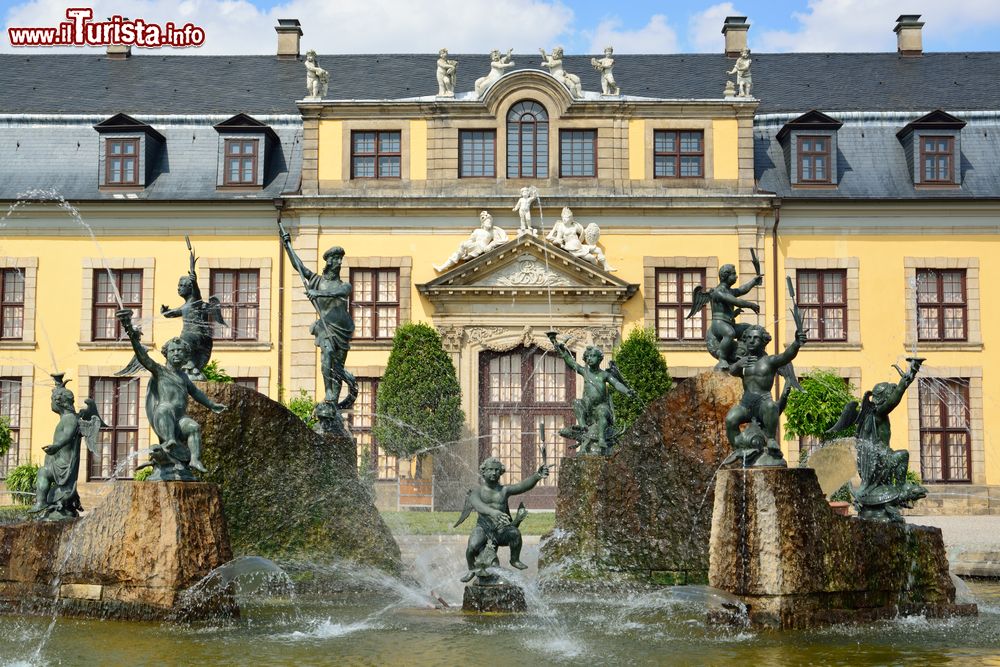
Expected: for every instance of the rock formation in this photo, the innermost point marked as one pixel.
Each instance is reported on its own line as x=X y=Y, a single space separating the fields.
x=643 y=514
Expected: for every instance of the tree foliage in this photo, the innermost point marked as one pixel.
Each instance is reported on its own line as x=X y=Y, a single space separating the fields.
x=21 y=482
x=418 y=404
x=815 y=409
x=644 y=369
x=215 y=373
x=302 y=406
x=5 y=436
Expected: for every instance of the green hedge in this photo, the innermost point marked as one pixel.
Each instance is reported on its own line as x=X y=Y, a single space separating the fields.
x=644 y=369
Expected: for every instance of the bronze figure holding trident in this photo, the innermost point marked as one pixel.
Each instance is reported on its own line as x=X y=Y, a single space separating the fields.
x=334 y=328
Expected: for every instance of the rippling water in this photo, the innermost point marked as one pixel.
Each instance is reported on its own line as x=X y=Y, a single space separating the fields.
x=362 y=629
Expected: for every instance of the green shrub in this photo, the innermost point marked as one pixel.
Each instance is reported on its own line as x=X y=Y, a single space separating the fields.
x=419 y=399
x=644 y=369
x=215 y=373
x=817 y=407
x=21 y=482
x=5 y=438
x=143 y=474
x=843 y=494
x=302 y=406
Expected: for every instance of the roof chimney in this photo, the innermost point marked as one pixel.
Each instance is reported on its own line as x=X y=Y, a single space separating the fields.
x=119 y=51
x=289 y=34
x=909 y=40
x=735 y=29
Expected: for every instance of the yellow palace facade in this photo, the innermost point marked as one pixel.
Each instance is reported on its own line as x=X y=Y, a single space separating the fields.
x=881 y=206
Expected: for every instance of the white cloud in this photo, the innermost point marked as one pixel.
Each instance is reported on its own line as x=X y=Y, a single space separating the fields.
x=655 y=37
x=342 y=26
x=866 y=25
x=705 y=28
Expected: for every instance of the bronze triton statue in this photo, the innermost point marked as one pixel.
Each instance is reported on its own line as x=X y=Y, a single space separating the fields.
x=495 y=526
x=166 y=407
x=55 y=485
x=723 y=333
x=595 y=414
x=333 y=330
x=884 y=488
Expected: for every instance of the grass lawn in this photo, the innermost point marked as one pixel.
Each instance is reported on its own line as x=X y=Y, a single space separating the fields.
x=440 y=523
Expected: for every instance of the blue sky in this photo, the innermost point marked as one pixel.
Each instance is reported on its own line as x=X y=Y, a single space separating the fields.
x=581 y=26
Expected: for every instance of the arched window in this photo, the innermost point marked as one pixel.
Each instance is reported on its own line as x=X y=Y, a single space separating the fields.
x=527 y=141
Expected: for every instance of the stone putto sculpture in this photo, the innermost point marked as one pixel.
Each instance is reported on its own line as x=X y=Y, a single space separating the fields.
x=480 y=241
x=605 y=66
x=554 y=63
x=884 y=489
x=529 y=195
x=333 y=329
x=56 y=496
x=317 y=78
x=447 y=72
x=741 y=68
x=578 y=241
x=595 y=429
x=166 y=407
x=499 y=64
x=723 y=332
x=495 y=527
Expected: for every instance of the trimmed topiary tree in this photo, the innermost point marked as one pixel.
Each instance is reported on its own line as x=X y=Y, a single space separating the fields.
x=815 y=409
x=645 y=370
x=418 y=407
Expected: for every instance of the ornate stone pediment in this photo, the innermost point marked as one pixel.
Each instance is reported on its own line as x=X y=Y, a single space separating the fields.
x=529 y=267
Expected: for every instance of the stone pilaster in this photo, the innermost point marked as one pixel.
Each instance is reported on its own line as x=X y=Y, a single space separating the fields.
x=302 y=347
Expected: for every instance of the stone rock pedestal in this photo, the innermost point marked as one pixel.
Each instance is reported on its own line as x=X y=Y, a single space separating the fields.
x=777 y=545
x=502 y=598
x=643 y=514
x=130 y=557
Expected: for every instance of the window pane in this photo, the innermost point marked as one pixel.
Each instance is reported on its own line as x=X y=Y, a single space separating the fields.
x=388 y=286
x=505 y=442
x=389 y=142
x=665 y=166
x=690 y=166
x=364 y=167
x=665 y=142
x=363 y=284
x=364 y=142
x=389 y=167
x=690 y=142
x=477 y=149
x=576 y=152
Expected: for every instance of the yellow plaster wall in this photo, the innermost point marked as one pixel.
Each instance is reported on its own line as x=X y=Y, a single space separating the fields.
x=883 y=314
x=418 y=150
x=637 y=149
x=331 y=149
x=725 y=151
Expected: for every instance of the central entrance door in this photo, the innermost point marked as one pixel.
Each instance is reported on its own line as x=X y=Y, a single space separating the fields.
x=518 y=390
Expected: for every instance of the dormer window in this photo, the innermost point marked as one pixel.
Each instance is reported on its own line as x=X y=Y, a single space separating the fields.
x=813 y=158
x=241 y=162
x=810 y=146
x=245 y=145
x=936 y=159
x=121 y=161
x=129 y=151
x=932 y=144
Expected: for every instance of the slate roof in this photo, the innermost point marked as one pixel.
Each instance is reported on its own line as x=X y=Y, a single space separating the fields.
x=786 y=82
x=65 y=156
x=871 y=161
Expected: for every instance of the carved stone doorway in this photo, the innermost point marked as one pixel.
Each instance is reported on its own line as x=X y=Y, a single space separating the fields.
x=519 y=389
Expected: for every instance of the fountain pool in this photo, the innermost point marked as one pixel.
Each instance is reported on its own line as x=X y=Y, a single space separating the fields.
x=643 y=628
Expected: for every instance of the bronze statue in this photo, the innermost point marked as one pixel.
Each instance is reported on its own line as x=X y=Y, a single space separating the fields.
x=334 y=327
x=198 y=317
x=595 y=415
x=55 y=485
x=166 y=407
x=757 y=444
x=723 y=333
x=884 y=488
x=495 y=526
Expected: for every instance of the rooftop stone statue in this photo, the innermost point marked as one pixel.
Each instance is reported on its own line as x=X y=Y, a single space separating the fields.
x=447 y=72
x=554 y=63
x=884 y=489
x=56 y=496
x=166 y=407
x=595 y=415
x=480 y=241
x=499 y=64
x=317 y=78
x=741 y=68
x=495 y=527
x=605 y=66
